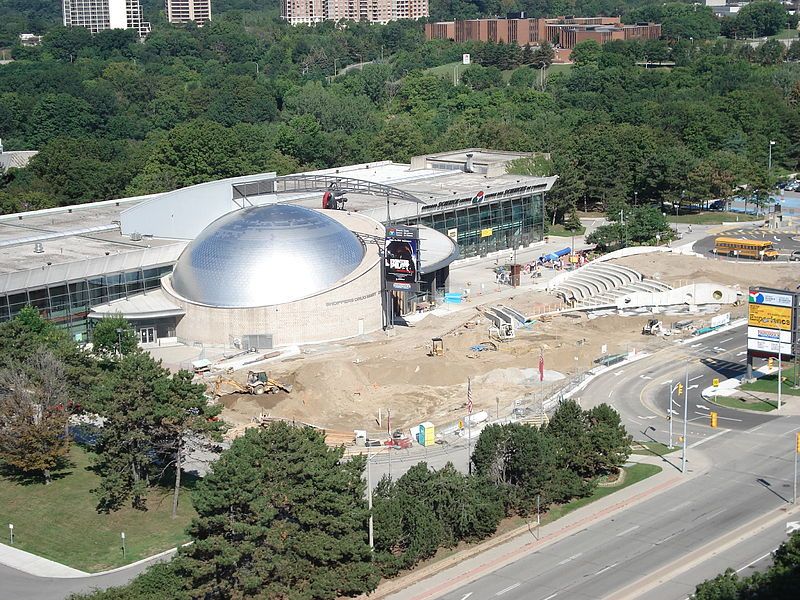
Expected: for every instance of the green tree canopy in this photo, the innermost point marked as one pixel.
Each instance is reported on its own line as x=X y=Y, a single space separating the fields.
x=280 y=515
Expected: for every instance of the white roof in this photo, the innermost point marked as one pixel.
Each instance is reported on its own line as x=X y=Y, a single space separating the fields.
x=150 y=305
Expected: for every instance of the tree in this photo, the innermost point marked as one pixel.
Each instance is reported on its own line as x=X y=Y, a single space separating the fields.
x=280 y=515
x=543 y=56
x=127 y=461
x=761 y=18
x=186 y=420
x=477 y=77
x=569 y=429
x=33 y=416
x=771 y=52
x=586 y=53
x=610 y=441
x=113 y=336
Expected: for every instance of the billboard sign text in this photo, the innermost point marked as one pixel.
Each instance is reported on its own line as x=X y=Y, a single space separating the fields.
x=401 y=258
x=770 y=317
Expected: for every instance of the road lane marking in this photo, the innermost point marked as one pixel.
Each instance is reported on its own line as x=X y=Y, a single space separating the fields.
x=651 y=417
x=704 y=440
x=696 y=345
x=604 y=569
x=691 y=387
x=742 y=353
x=755 y=428
x=666 y=539
x=628 y=530
x=698 y=377
x=666 y=382
x=508 y=589
x=467 y=595
x=645 y=376
x=702 y=407
x=759 y=559
x=679 y=506
x=725 y=340
x=551 y=596
x=573 y=557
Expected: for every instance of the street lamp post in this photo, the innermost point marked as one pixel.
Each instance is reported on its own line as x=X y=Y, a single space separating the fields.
x=119 y=340
x=685 y=419
x=670 y=412
x=769 y=164
x=369 y=498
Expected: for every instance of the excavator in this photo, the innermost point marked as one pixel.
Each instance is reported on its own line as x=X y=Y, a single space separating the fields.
x=258 y=382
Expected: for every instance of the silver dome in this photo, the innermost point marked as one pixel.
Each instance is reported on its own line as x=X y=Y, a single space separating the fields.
x=264 y=255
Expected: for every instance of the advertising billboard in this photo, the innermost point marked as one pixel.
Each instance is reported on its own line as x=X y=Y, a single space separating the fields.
x=762 y=297
x=401 y=258
x=770 y=317
x=769 y=347
x=771 y=322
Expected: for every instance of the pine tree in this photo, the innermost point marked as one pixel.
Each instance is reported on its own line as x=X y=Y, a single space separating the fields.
x=130 y=435
x=280 y=516
x=610 y=441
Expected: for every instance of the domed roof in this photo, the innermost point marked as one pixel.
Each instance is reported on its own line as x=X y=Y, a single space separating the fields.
x=264 y=255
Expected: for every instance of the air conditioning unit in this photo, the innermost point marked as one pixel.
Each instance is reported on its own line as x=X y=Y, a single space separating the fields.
x=38 y=248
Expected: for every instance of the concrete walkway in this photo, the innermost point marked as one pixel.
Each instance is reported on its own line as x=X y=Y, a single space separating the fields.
x=472 y=563
x=42 y=567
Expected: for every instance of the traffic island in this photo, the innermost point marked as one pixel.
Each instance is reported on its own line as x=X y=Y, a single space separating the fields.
x=759 y=394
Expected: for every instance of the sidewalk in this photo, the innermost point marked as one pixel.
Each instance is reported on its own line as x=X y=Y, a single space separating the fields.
x=38 y=566
x=472 y=563
x=790 y=404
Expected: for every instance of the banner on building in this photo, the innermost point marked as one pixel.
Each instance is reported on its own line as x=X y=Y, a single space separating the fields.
x=401 y=258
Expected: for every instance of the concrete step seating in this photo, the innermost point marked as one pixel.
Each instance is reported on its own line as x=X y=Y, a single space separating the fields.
x=602 y=283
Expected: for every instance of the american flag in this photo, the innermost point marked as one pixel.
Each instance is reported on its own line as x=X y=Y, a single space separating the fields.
x=469 y=397
x=541 y=365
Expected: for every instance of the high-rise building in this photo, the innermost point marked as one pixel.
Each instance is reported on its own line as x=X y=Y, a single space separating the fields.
x=183 y=11
x=371 y=11
x=99 y=15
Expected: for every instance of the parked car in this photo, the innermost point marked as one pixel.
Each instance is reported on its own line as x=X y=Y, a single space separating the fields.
x=717 y=205
x=795 y=256
x=372 y=443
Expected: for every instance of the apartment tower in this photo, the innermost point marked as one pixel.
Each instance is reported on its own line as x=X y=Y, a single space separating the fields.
x=371 y=11
x=183 y=11
x=99 y=15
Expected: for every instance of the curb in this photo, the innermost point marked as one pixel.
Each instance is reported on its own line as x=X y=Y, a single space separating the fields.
x=62 y=571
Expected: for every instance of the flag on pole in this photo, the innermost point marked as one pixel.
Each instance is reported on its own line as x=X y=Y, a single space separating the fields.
x=541 y=365
x=469 y=397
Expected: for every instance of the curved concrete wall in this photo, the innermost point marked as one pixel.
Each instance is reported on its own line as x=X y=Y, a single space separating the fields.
x=698 y=293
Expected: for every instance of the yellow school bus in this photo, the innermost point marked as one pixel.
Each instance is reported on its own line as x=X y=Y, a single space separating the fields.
x=758 y=249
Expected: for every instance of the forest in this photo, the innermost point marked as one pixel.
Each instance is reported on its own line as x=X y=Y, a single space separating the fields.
x=114 y=117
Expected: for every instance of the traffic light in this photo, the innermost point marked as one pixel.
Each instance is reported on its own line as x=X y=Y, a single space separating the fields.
x=770 y=360
x=798 y=442
x=713 y=419
x=680 y=389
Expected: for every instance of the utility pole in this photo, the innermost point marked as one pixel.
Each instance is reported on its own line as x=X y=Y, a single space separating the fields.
x=771 y=144
x=780 y=363
x=469 y=426
x=669 y=412
x=685 y=419
x=796 y=452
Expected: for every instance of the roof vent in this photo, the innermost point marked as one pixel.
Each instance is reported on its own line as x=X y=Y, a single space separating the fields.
x=468 y=166
x=136 y=236
x=38 y=248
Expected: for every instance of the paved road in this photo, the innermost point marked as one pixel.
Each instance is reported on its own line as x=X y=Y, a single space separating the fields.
x=16 y=584
x=739 y=473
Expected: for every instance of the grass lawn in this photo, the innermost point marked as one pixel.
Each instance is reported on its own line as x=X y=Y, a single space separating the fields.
x=748 y=403
x=651 y=448
x=711 y=218
x=633 y=474
x=59 y=521
x=558 y=230
x=448 y=69
x=770 y=383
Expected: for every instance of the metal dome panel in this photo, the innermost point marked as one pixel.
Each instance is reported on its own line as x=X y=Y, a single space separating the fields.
x=264 y=255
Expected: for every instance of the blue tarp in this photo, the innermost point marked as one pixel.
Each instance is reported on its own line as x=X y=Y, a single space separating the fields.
x=557 y=254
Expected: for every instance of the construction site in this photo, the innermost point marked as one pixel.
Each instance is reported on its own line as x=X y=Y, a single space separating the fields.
x=418 y=371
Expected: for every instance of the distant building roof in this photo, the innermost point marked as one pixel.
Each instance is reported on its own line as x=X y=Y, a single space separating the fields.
x=17 y=159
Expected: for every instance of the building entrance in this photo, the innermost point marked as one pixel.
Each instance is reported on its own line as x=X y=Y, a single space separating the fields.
x=147 y=335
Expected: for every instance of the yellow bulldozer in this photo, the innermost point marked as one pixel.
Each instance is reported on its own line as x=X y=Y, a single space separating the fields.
x=258 y=382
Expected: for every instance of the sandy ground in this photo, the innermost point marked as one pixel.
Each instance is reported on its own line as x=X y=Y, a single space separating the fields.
x=344 y=386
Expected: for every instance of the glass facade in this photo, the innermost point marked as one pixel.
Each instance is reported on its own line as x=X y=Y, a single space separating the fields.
x=68 y=304
x=491 y=225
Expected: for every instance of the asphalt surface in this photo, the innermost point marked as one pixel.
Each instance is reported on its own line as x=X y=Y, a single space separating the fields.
x=741 y=472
